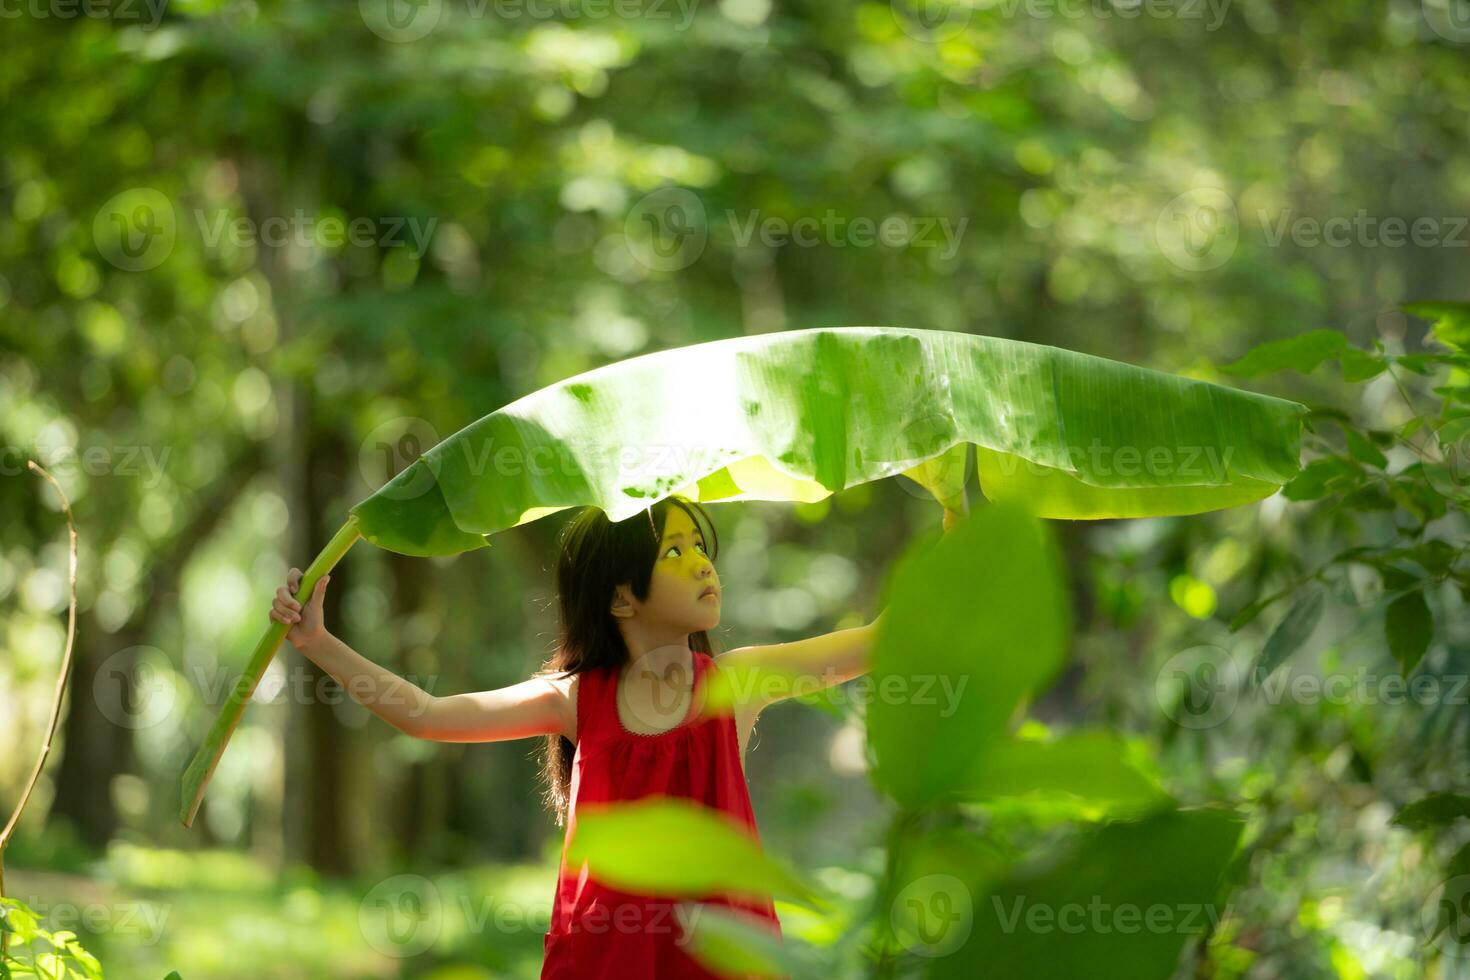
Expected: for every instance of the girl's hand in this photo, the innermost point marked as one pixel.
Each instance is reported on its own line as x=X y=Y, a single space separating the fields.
x=307 y=624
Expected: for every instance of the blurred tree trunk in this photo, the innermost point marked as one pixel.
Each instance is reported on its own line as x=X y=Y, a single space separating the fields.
x=317 y=743
x=422 y=801
x=96 y=748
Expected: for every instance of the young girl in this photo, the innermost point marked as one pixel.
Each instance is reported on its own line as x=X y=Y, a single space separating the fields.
x=620 y=706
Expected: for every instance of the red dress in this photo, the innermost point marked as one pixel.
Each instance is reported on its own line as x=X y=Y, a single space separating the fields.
x=598 y=931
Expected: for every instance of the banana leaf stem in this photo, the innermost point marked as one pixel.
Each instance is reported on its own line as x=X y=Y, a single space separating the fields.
x=196 y=777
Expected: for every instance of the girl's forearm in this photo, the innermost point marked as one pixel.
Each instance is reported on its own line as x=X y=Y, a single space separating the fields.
x=394 y=699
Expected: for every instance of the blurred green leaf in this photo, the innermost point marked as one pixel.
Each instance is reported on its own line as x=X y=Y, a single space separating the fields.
x=971 y=625
x=733 y=944
x=1409 y=626
x=1093 y=768
x=1119 y=905
x=1293 y=630
x=1451 y=321
x=1303 y=353
x=1434 y=810
x=674 y=847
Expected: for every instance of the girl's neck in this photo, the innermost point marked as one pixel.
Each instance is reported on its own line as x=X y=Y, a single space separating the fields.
x=657 y=659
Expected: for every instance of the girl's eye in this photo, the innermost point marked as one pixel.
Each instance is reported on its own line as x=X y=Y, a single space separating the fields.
x=674 y=547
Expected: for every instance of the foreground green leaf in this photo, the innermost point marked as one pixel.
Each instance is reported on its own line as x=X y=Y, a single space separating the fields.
x=728 y=943
x=1092 y=768
x=972 y=625
x=1120 y=906
x=668 y=846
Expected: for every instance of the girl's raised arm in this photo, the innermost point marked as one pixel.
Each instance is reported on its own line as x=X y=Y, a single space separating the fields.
x=538 y=706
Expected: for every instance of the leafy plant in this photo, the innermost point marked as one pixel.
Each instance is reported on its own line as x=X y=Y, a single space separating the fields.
x=957 y=896
x=51 y=955
x=799 y=415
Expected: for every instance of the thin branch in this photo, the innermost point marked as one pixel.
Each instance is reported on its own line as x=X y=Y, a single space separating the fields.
x=61 y=678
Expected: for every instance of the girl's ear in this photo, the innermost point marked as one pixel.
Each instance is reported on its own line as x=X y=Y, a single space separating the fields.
x=623 y=604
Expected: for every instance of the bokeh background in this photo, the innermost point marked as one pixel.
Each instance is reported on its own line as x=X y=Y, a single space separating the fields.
x=256 y=256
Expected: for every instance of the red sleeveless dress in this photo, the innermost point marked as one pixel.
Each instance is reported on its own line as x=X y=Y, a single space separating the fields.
x=598 y=931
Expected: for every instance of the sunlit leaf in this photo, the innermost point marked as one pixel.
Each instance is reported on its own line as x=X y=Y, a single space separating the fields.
x=668 y=846
x=736 y=945
x=1093 y=768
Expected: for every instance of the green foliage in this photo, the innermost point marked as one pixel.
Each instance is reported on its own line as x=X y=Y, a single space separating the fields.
x=1119 y=904
x=670 y=846
x=36 y=952
x=982 y=613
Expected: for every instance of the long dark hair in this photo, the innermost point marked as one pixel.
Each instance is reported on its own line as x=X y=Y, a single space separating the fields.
x=594 y=556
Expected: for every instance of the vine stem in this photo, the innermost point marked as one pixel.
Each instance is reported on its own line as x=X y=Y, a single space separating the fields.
x=61 y=681
x=903 y=821
x=201 y=768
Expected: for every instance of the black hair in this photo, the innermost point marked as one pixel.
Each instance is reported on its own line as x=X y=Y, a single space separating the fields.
x=594 y=556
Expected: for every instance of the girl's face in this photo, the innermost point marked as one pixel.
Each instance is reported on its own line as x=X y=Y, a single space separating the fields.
x=682 y=573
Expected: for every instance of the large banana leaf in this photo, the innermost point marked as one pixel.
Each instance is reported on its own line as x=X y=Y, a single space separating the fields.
x=802 y=414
